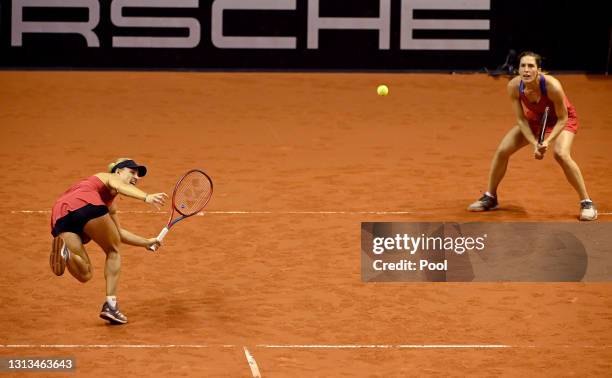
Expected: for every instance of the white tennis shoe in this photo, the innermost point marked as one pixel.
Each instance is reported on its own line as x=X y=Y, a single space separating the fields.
x=588 y=211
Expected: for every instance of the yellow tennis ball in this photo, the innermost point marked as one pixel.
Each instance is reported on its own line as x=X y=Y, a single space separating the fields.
x=382 y=90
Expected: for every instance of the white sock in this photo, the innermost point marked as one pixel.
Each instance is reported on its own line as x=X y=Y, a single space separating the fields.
x=112 y=301
x=586 y=200
x=489 y=194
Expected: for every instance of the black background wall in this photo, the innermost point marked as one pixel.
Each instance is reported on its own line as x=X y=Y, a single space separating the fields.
x=572 y=36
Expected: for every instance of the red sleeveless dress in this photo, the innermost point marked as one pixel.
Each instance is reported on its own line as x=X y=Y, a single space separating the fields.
x=535 y=112
x=90 y=191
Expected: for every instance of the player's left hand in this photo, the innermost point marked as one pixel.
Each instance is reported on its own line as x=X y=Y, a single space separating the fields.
x=540 y=150
x=156 y=199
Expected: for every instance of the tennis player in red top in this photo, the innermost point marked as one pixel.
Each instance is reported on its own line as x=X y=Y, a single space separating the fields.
x=531 y=92
x=86 y=211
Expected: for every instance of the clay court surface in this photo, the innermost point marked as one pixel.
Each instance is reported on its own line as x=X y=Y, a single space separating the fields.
x=298 y=161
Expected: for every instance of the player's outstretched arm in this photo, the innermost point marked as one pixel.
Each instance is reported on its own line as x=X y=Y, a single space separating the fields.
x=128 y=237
x=129 y=190
x=126 y=189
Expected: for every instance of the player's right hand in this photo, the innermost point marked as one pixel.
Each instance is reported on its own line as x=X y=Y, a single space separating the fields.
x=152 y=244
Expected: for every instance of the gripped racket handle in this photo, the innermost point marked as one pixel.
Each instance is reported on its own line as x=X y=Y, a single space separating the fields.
x=544 y=120
x=159 y=238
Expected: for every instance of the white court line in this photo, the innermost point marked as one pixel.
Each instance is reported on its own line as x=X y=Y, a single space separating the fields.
x=297 y=346
x=390 y=346
x=431 y=346
x=252 y=363
x=239 y=212
x=111 y=346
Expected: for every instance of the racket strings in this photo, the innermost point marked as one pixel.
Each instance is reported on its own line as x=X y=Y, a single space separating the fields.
x=192 y=193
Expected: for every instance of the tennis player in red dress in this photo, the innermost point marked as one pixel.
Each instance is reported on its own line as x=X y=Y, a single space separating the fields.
x=531 y=92
x=86 y=211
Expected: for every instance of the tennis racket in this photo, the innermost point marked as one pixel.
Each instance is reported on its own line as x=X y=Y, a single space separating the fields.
x=191 y=194
x=543 y=129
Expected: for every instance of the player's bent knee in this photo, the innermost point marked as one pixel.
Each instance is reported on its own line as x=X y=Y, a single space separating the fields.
x=503 y=153
x=112 y=250
x=562 y=157
x=113 y=261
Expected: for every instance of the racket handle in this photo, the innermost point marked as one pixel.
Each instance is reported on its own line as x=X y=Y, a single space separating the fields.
x=544 y=120
x=159 y=238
